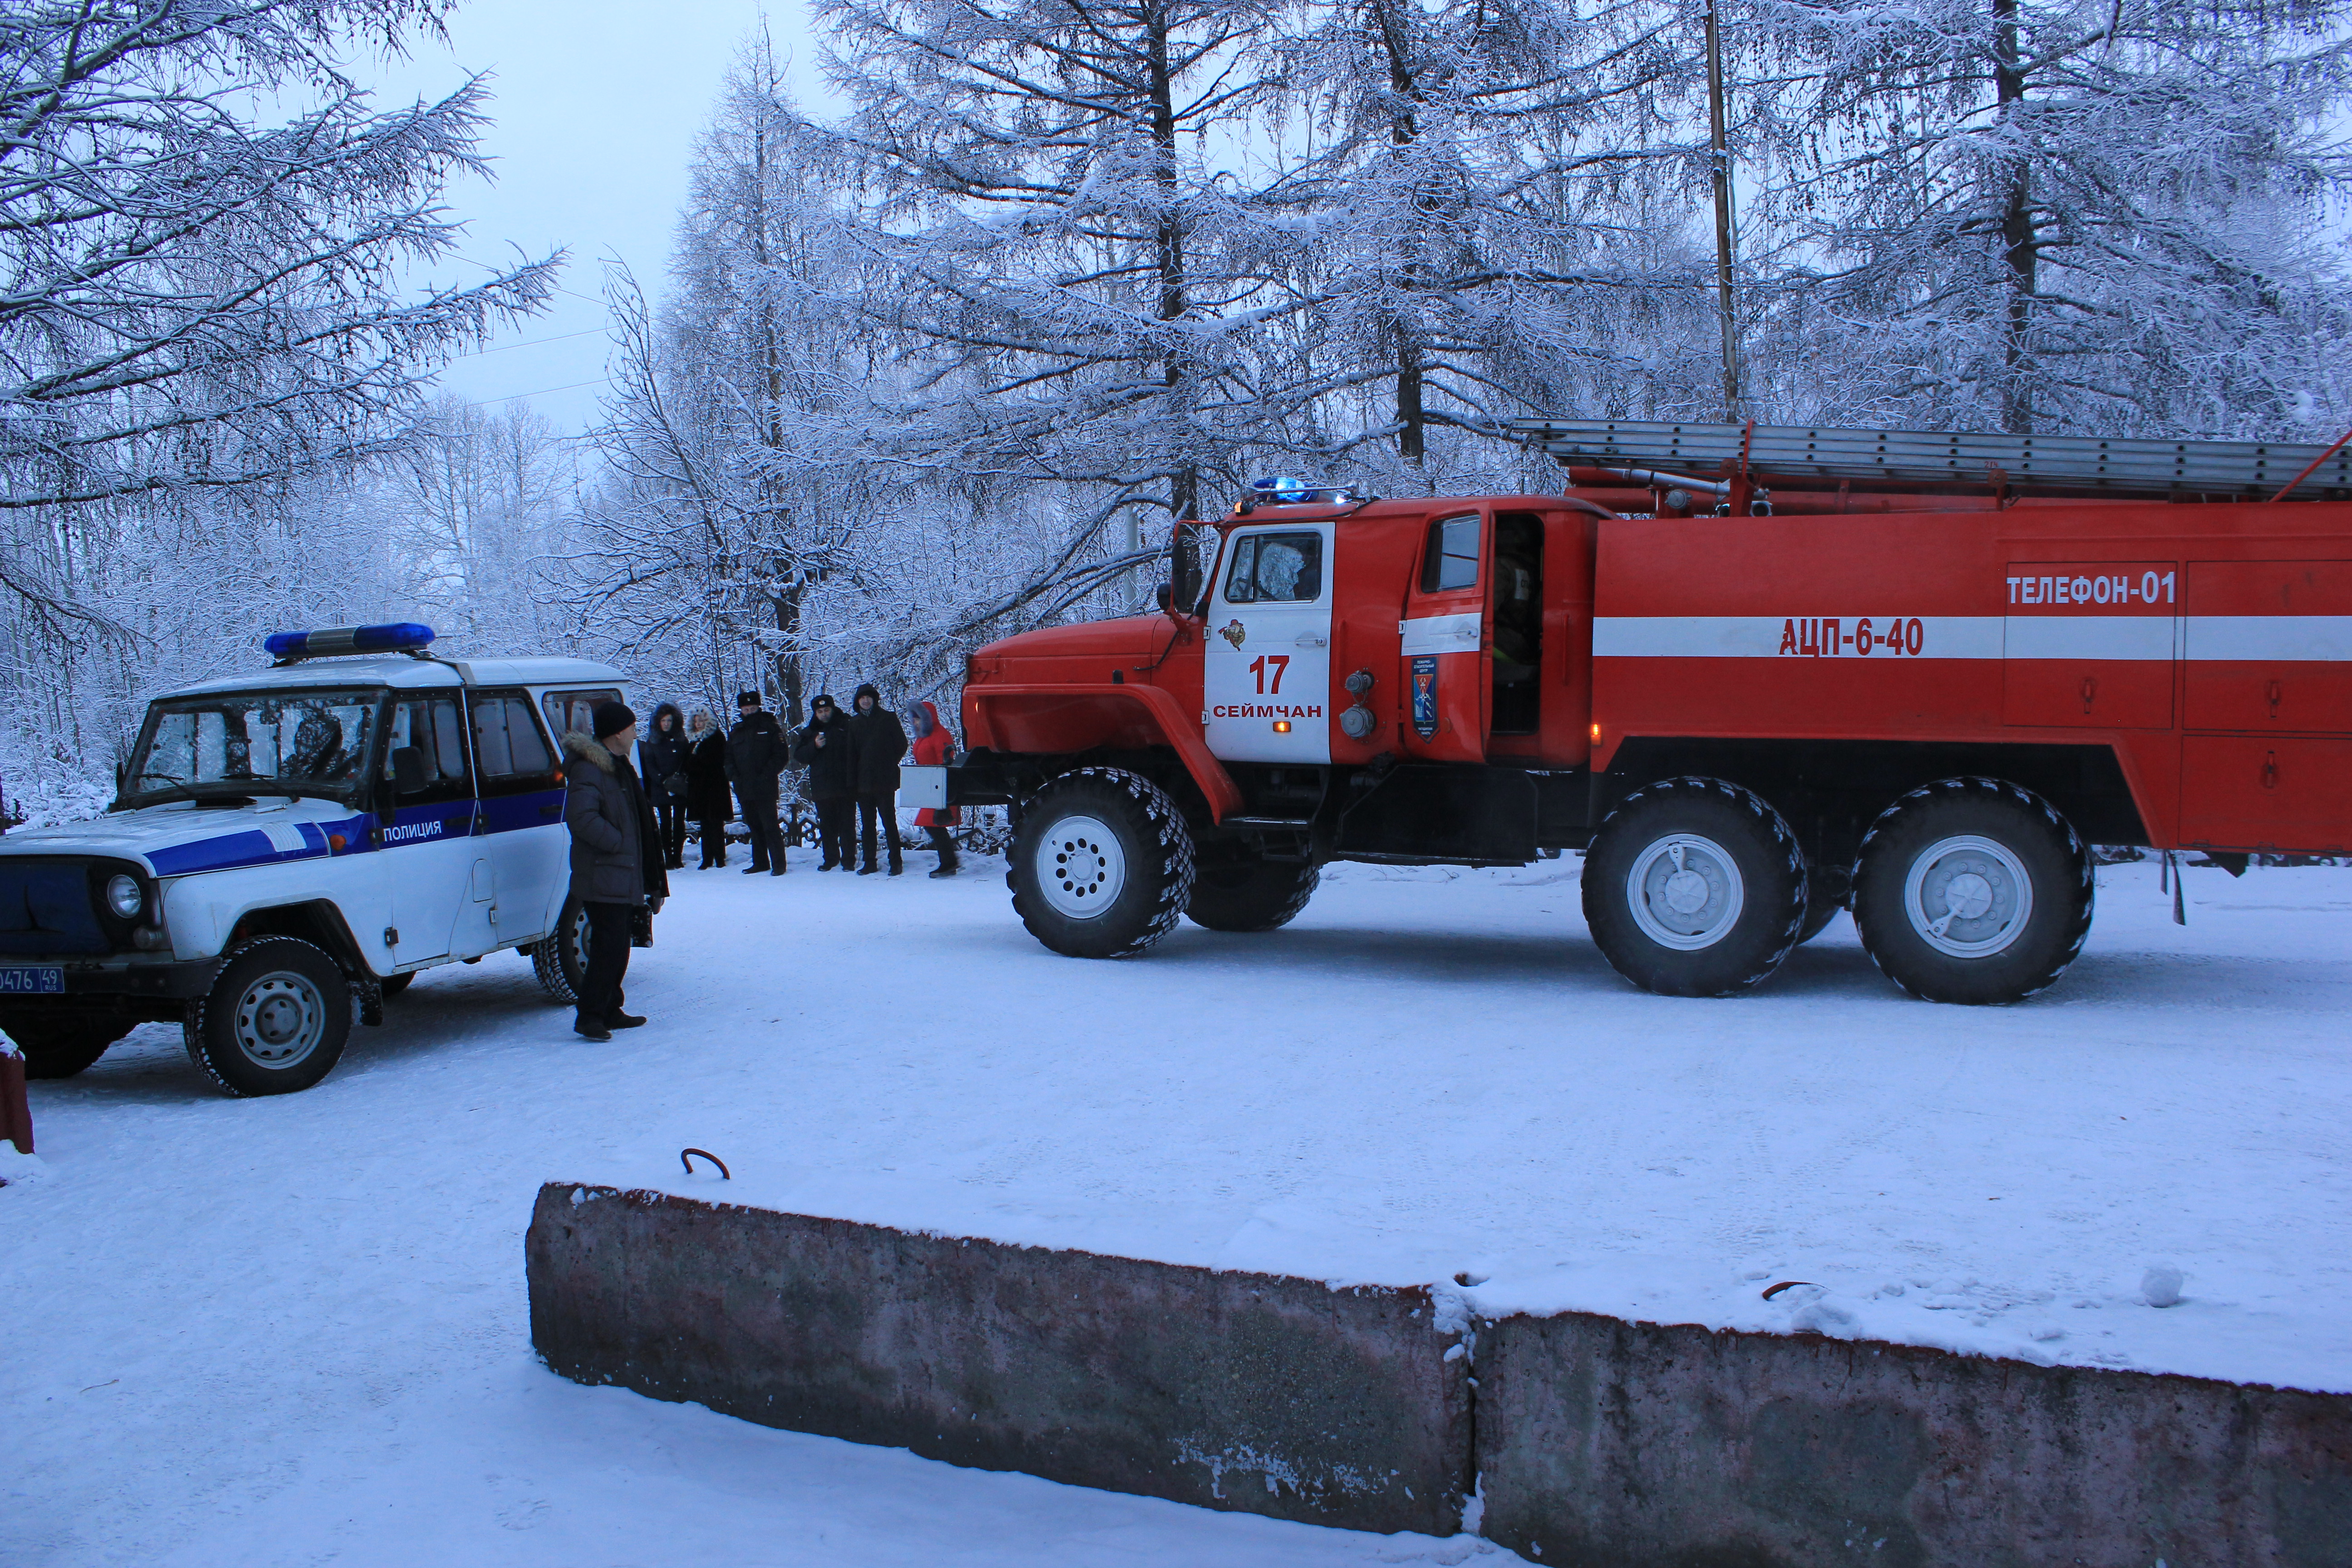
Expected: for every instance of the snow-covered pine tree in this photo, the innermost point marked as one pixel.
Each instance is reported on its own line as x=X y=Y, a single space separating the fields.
x=477 y=506
x=195 y=300
x=1069 y=195
x=1501 y=196
x=2063 y=215
x=733 y=490
x=205 y=338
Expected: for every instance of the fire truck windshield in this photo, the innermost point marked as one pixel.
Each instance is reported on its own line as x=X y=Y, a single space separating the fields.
x=1275 y=568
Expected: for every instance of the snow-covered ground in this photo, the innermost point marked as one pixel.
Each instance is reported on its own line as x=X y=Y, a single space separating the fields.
x=293 y=1331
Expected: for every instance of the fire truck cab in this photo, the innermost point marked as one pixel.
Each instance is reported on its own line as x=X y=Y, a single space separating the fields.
x=1756 y=674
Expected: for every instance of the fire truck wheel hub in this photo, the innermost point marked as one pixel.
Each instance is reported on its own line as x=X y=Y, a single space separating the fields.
x=1080 y=868
x=1967 y=896
x=1685 y=892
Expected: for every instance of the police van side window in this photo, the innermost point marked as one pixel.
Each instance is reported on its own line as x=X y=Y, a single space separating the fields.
x=569 y=710
x=1452 y=561
x=509 y=752
x=435 y=728
x=1276 y=569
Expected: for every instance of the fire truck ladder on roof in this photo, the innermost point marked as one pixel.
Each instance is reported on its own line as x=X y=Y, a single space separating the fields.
x=1942 y=460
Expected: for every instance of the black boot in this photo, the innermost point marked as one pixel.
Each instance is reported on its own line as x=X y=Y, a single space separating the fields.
x=590 y=1028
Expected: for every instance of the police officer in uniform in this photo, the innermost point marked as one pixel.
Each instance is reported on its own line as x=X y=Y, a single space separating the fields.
x=755 y=755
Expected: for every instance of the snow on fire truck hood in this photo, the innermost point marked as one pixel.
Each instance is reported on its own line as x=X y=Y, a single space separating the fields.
x=178 y=837
x=1128 y=634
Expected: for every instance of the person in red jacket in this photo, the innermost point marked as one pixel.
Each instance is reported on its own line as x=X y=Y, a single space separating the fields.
x=934 y=747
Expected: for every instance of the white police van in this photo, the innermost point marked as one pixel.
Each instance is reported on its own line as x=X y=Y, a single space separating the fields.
x=286 y=850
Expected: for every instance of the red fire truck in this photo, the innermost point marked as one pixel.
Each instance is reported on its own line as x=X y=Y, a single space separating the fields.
x=1757 y=674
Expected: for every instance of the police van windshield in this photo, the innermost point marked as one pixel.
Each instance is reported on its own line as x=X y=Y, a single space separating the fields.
x=310 y=742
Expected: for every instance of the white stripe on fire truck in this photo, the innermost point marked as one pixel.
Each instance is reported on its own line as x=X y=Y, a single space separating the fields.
x=1763 y=637
x=2319 y=639
x=2090 y=637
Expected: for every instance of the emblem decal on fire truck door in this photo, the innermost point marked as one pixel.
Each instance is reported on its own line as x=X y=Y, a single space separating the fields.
x=1424 y=695
x=1234 y=632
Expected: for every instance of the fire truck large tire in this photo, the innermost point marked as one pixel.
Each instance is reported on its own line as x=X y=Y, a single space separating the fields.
x=1973 y=890
x=1250 y=894
x=1102 y=867
x=60 y=1048
x=1694 y=887
x=275 y=1020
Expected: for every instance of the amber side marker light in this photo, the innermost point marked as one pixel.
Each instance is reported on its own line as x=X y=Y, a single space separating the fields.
x=1596 y=732
x=1282 y=726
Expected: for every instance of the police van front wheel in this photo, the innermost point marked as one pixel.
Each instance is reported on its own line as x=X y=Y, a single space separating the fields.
x=1695 y=887
x=560 y=959
x=1102 y=867
x=1973 y=890
x=275 y=1021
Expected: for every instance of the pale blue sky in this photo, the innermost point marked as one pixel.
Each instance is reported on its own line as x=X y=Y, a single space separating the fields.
x=597 y=106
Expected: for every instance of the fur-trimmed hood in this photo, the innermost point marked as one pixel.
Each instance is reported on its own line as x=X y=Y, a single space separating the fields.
x=588 y=749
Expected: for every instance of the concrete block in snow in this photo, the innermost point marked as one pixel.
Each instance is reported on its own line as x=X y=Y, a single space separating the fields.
x=1603 y=1442
x=1248 y=1392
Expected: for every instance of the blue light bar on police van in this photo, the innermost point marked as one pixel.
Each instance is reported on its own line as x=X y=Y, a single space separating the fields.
x=400 y=636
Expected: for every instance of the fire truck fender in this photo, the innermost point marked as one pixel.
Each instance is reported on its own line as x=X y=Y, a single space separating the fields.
x=1049 y=719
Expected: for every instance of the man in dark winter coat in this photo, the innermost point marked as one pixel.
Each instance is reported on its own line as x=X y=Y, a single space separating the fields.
x=617 y=866
x=706 y=788
x=824 y=748
x=662 y=756
x=755 y=755
x=877 y=742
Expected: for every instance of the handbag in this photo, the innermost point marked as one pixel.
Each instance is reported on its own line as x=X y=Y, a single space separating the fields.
x=641 y=927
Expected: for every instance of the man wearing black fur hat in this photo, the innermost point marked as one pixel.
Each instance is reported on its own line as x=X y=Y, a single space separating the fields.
x=755 y=755
x=616 y=863
x=876 y=742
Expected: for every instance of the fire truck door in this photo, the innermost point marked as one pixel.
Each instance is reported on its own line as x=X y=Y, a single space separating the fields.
x=1445 y=678
x=2270 y=669
x=1266 y=672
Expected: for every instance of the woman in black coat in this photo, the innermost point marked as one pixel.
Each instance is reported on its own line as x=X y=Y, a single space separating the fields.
x=661 y=757
x=706 y=795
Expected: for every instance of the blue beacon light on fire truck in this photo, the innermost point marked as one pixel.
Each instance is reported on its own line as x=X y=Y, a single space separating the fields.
x=1285 y=490
x=398 y=637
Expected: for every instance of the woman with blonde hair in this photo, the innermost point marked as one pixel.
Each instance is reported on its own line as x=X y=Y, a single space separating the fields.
x=707 y=797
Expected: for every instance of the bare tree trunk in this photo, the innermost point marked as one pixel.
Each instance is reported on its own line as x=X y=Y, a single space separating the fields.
x=786 y=599
x=1175 y=304
x=2020 y=250
x=1404 y=130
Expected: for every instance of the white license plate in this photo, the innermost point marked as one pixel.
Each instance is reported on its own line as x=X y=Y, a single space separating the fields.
x=32 y=979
